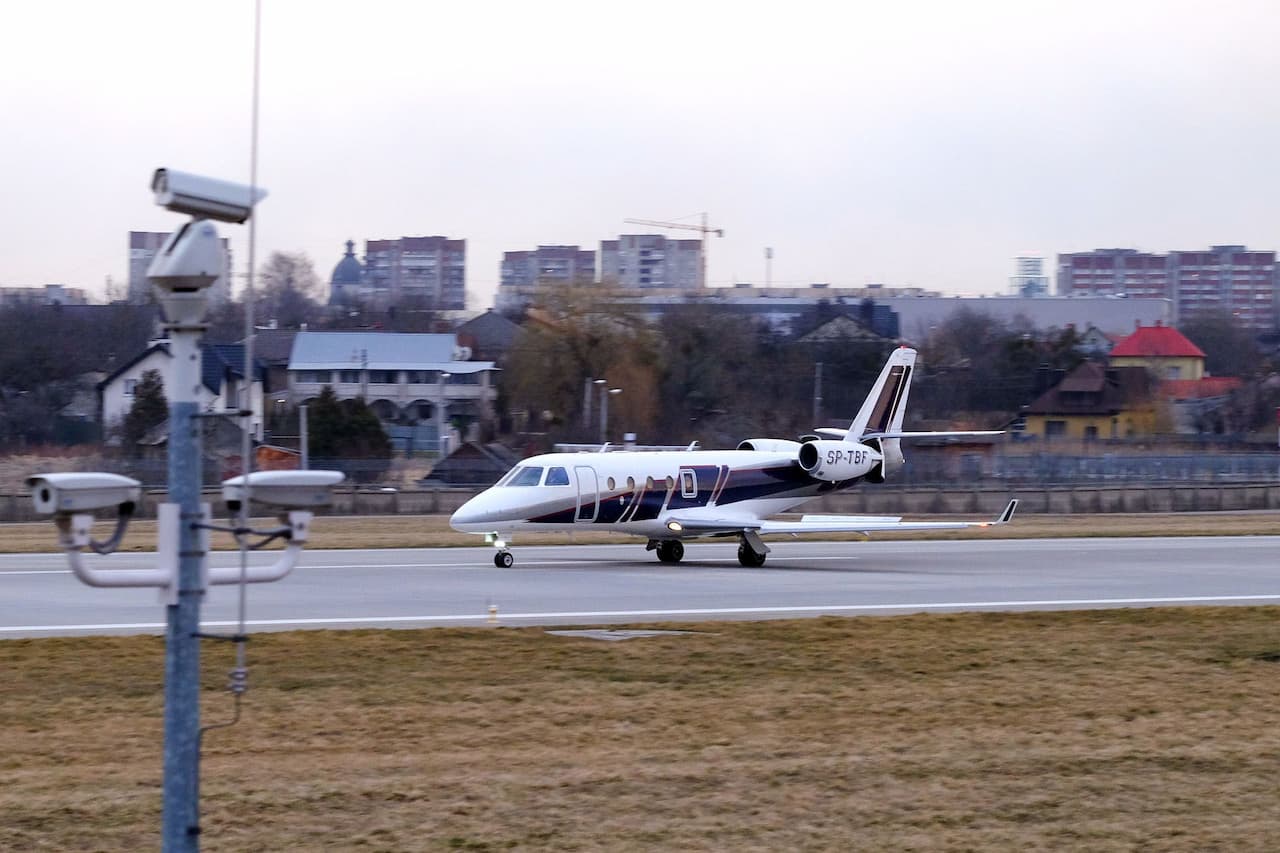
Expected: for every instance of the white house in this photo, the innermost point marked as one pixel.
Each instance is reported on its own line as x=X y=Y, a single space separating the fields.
x=404 y=377
x=222 y=378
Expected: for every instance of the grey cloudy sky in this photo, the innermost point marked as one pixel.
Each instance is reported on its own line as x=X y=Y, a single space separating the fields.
x=910 y=143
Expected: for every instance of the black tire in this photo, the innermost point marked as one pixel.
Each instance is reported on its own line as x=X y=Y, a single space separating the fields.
x=670 y=550
x=504 y=560
x=750 y=558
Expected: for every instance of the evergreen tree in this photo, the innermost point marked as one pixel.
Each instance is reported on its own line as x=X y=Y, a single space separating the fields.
x=149 y=409
x=347 y=434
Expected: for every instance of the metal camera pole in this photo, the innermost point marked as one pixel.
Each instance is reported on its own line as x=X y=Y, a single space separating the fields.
x=180 y=274
x=182 y=648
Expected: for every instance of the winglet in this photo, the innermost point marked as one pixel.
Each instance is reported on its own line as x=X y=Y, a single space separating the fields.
x=1007 y=515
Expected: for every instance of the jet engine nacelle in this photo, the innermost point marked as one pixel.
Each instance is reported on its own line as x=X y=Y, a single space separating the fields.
x=770 y=445
x=835 y=461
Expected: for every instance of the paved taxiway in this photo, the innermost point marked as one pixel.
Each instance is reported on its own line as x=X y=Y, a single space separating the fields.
x=623 y=583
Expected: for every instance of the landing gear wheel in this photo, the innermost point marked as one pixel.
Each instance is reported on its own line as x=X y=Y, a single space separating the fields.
x=670 y=550
x=750 y=558
x=504 y=560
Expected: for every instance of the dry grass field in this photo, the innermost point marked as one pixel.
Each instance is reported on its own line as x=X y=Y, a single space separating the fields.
x=432 y=531
x=1106 y=730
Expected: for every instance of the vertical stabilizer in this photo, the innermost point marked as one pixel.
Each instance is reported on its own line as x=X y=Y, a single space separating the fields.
x=884 y=407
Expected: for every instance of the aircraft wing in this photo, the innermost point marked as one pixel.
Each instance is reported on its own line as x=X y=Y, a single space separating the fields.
x=835 y=524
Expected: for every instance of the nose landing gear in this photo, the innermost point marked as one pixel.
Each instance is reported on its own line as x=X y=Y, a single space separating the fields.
x=503 y=558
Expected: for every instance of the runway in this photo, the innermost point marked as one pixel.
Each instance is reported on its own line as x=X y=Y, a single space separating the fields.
x=577 y=585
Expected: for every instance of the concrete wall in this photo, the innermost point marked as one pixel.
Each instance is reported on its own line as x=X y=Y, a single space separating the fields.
x=868 y=500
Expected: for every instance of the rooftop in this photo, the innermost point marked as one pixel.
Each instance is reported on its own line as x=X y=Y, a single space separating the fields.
x=1158 y=341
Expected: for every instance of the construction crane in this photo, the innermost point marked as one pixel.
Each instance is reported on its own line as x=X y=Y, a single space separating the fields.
x=704 y=229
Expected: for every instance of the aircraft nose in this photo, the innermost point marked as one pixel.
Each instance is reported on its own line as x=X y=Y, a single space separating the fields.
x=473 y=512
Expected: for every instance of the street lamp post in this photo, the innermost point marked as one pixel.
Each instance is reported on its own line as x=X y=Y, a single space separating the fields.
x=601 y=384
x=605 y=394
x=441 y=441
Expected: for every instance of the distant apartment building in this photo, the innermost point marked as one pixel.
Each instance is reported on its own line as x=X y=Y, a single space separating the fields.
x=547 y=264
x=1230 y=279
x=651 y=261
x=50 y=294
x=143 y=246
x=1227 y=278
x=1028 y=278
x=1114 y=272
x=523 y=272
x=420 y=272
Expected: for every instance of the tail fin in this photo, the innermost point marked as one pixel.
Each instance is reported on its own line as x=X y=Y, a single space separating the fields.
x=885 y=406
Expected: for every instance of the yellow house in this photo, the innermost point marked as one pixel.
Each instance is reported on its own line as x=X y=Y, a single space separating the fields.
x=1163 y=350
x=1093 y=402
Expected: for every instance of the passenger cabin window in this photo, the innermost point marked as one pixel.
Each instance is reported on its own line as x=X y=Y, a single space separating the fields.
x=688 y=484
x=557 y=477
x=529 y=475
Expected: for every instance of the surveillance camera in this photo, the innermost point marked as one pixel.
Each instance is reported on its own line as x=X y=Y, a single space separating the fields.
x=205 y=198
x=74 y=492
x=190 y=259
x=286 y=489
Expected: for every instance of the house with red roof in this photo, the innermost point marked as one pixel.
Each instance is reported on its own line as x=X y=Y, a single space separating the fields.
x=1161 y=349
x=1194 y=397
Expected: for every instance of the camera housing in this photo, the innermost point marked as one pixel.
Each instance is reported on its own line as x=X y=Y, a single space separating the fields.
x=205 y=198
x=67 y=493
x=284 y=489
x=190 y=260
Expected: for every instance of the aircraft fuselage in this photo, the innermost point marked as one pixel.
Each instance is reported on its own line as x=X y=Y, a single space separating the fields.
x=636 y=492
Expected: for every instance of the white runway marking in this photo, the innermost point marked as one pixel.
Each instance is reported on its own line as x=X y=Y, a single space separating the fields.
x=710 y=611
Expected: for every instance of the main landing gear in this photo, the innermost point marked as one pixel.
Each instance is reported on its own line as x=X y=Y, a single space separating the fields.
x=504 y=560
x=752 y=551
x=670 y=550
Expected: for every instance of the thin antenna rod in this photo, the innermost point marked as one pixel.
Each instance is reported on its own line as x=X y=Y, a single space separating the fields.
x=246 y=441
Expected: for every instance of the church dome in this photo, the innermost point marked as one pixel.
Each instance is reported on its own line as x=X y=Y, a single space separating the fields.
x=348 y=271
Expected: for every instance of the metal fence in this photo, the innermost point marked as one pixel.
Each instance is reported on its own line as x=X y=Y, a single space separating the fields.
x=925 y=467
x=1044 y=469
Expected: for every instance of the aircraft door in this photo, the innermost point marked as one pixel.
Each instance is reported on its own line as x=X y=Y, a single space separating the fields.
x=588 y=493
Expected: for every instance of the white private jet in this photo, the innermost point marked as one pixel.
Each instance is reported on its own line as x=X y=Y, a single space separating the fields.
x=673 y=495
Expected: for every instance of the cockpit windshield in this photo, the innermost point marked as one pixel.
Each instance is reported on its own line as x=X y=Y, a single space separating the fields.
x=526 y=475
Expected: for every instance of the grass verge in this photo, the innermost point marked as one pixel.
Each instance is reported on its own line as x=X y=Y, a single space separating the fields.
x=1098 y=730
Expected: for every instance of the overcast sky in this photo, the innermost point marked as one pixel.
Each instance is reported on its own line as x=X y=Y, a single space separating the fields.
x=922 y=143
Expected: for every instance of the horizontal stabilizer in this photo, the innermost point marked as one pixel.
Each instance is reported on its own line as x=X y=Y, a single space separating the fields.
x=841 y=433
x=939 y=434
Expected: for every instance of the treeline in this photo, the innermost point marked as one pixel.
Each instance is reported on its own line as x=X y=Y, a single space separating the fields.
x=52 y=355
x=698 y=373
x=702 y=374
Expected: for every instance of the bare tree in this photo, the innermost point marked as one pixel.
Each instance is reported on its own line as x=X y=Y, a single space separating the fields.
x=289 y=291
